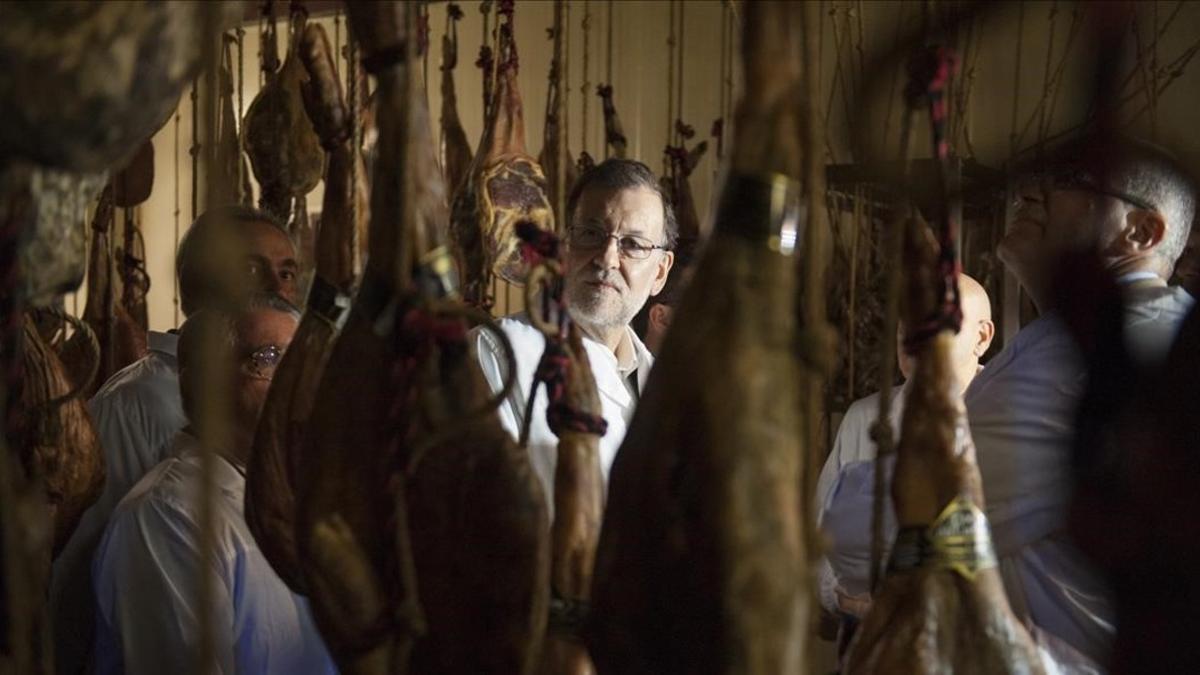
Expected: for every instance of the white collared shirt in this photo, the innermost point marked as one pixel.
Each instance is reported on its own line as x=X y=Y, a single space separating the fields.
x=137 y=413
x=147 y=571
x=617 y=397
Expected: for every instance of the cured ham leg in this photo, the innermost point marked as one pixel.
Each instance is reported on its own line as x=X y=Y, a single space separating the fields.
x=552 y=135
x=422 y=529
x=683 y=163
x=701 y=564
x=614 y=133
x=455 y=150
x=59 y=444
x=505 y=186
x=283 y=423
x=942 y=608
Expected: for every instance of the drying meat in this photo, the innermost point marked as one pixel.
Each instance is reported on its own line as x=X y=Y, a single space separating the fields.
x=505 y=186
x=701 y=565
x=944 y=611
x=682 y=163
x=553 y=135
x=614 y=133
x=285 y=153
x=59 y=443
x=132 y=186
x=422 y=529
x=456 y=151
x=121 y=342
x=282 y=426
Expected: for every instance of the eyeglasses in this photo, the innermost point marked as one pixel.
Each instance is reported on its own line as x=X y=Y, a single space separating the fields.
x=1079 y=179
x=592 y=238
x=261 y=363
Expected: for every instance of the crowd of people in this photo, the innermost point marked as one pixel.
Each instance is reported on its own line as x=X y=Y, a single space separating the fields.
x=124 y=589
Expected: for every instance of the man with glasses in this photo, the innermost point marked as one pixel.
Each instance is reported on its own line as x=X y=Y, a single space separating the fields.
x=1129 y=204
x=150 y=563
x=618 y=253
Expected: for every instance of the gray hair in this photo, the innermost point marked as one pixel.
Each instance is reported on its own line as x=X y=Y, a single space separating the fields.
x=622 y=174
x=195 y=352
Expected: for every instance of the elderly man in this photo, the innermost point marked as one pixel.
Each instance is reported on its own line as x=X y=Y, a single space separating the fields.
x=845 y=487
x=225 y=253
x=150 y=562
x=618 y=254
x=1131 y=205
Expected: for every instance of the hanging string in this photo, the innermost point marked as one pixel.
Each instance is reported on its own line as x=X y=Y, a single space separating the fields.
x=891 y=98
x=175 y=214
x=670 y=86
x=195 y=149
x=424 y=46
x=565 y=120
x=718 y=129
x=486 y=61
x=354 y=95
x=1013 y=139
x=608 y=61
x=679 y=77
x=584 y=88
x=242 y=187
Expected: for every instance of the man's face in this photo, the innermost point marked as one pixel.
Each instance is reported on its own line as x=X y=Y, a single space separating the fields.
x=1050 y=222
x=271 y=261
x=605 y=288
x=262 y=337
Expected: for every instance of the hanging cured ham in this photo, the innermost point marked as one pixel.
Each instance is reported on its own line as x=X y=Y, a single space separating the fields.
x=455 y=150
x=614 y=133
x=131 y=188
x=58 y=440
x=682 y=163
x=554 y=138
x=284 y=150
x=701 y=565
x=283 y=422
x=505 y=185
x=942 y=607
x=422 y=528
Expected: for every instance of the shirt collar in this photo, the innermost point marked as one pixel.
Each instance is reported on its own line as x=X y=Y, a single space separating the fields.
x=167 y=343
x=1134 y=277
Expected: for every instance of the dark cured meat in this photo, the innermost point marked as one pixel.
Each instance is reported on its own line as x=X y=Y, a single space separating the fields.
x=552 y=134
x=283 y=423
x=930 y=620
x=423 y=531
x=614 y=133
x=505 y=186
x=59 y=443
x=702 y=560
x=683 y=162
x=455 y=149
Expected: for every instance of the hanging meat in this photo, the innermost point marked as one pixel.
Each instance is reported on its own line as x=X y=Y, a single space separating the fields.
x=942 y=607
x=59 y=444
x=614 y=133
x=282 y=425
x=422 y=530
x=232 y=184
x=505 y=185
x=120 y=339
x=131 y=187
x=284 y=150
x=554 y=138
x=702 y=562
x=681 y=163
x=574 y=414
x=455 y=149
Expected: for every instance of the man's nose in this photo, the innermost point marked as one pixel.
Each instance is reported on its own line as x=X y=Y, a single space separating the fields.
x=610 y=256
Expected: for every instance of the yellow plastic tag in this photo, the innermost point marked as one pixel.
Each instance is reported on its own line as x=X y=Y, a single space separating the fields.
x=960 y=540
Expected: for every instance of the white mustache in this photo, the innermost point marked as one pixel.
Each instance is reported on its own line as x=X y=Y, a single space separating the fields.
x=606 y=277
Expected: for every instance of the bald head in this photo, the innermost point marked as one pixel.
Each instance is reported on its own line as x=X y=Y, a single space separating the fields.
x=972 y=341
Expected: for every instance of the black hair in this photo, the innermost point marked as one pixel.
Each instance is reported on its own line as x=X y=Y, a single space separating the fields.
x=618 y=174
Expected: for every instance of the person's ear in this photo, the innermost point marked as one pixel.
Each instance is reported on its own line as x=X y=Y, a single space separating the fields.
x=662 y=271
x=660 y=316
x=1144 y=230
x=983 y=340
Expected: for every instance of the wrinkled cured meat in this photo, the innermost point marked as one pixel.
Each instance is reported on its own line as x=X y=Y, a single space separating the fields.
x=614 y=133
x=131 y=187
x=284 y=150
x=552 y=135
x=455 y=150
x=121 y=341
x=682 y=162
x=578 y=511
x=282 y=425
x=929 y=618
x=505 y=186
x=422 y=528
x=59 y=442
x=702 y=559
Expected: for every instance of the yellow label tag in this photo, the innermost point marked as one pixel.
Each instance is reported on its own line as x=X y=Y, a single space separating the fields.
x=960 y=540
